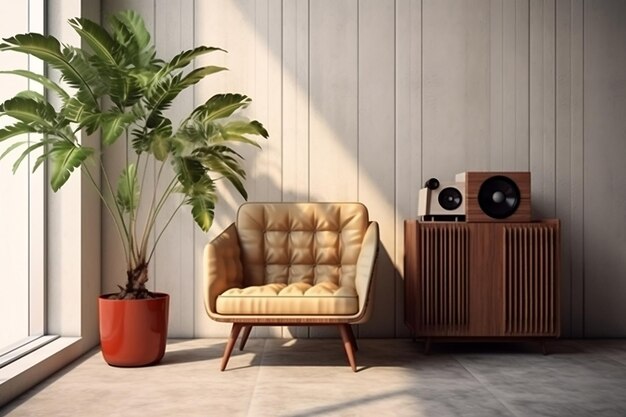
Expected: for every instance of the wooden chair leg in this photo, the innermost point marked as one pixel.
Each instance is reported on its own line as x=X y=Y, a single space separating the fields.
x=345 y=331
x=352 y=338
x=234 y=333
x=244 y=336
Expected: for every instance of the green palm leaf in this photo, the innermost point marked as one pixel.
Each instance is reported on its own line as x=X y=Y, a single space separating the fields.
x=184 y=58
x=46 y=82
x=164 y=92
x=160 y=143
x=39 y=115
x=27 y=152
x=220 y=105
x=113 y=125
x=64 y=157
x=48 y=49
x=190 y=137
x=202 y=201
x=128 y=189
x=228 y=168
x=235 y=131
x=15 y=130
x=129 y=30
x=198 y=74
x=78 y=111
x=189 y=171
x=12 y=147
x=97 y=38
x=33 y=95
x=94 y=84
x=123 y=85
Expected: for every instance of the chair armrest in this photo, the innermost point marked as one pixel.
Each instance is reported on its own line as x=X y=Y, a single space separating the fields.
x=222 y=267
x=365 y=266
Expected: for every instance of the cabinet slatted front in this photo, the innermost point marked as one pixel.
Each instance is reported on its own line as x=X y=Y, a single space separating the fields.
x=482 y=279
x=529 y=280
x=444 y=297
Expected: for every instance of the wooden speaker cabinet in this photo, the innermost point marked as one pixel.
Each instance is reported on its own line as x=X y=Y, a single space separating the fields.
x=482 y=280
x=479 y=186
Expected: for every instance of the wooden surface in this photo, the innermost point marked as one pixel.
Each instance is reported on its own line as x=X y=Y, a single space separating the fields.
x=482 y=279
x=364 y=100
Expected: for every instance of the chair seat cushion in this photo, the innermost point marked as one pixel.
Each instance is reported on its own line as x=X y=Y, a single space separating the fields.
x=299 y=298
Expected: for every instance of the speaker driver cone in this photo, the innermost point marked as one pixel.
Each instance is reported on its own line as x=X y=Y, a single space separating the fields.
x=450 y=198
x=499 y=197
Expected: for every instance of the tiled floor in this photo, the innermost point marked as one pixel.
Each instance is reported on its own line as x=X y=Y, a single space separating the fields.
x=304 y=378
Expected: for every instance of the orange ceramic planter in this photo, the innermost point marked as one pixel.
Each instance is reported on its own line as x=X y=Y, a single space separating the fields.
x=133 y=332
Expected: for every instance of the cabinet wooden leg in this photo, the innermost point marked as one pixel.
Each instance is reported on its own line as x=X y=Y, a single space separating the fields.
x=544 y=347
x=427 y=346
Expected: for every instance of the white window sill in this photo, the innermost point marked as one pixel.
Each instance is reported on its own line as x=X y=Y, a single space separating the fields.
x=30 y=369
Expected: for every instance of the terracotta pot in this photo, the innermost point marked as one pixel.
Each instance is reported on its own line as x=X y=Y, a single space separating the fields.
x=133 y=332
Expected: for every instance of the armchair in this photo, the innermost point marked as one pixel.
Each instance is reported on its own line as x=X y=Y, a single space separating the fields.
x=290 y=264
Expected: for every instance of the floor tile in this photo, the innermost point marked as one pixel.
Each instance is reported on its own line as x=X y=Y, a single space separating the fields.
x=311 y=377
x=568 y=382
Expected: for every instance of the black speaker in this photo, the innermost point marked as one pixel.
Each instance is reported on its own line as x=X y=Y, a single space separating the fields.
x=499 y=197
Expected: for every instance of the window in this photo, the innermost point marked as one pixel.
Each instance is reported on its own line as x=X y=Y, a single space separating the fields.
x=22 y=202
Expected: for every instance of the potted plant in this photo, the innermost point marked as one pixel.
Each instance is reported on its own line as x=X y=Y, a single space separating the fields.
x=118 y=86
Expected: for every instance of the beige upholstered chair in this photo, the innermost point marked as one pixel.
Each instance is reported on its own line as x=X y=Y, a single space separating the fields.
x=291 y=264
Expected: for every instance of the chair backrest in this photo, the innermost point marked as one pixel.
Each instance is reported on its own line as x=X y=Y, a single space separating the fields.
x=294 y=242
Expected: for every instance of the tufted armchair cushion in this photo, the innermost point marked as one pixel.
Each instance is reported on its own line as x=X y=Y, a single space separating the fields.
x=297 y=259
x=292 y=264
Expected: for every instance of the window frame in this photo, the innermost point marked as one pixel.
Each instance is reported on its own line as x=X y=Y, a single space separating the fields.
x=72 y=251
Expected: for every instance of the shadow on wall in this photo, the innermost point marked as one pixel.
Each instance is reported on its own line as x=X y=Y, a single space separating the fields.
x=332 y=134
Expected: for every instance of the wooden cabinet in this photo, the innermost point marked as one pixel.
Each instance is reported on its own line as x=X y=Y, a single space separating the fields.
x=482 y=280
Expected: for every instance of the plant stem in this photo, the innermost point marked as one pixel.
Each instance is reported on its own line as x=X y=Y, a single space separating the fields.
x=119 y=211
x=131 y=211
x=157 y=209
x=163 y=230
x=146 y=233
x=140 y=193
x=104 y=201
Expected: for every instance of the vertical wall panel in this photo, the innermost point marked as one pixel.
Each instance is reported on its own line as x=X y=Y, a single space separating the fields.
x=477 y=82
x=542 y=107
x=522 y=28
x=215 y=29
x=408 y=116
x=295 y=116
x=376 y=150
x=515 y=85
x=255 y=69
x=265 y=80
x=569 y=159
x=604 y=179
x=496 y=89
x=174 y=256
x=577 y=202
x=333 y=101
x=456 y=63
